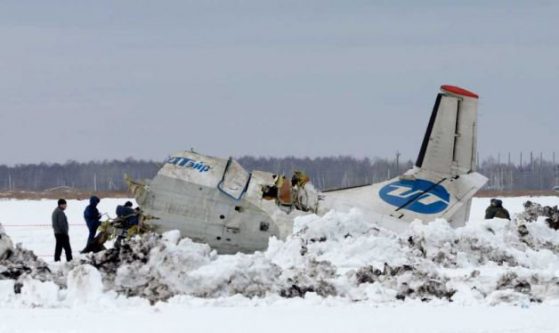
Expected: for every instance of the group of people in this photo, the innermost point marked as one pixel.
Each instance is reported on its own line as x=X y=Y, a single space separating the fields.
x=126 y=213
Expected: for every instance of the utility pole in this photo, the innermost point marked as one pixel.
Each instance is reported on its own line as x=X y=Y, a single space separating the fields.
x=541 y=171
x=398 y=162
x=499 y=172
x=509 y=173
x=477 y=161
x=95 y=182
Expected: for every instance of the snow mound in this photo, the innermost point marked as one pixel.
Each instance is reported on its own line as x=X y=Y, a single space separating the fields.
x=19 y=264
x=532 y=211
x=342 y=255
x=84 y=285
x=339 y=257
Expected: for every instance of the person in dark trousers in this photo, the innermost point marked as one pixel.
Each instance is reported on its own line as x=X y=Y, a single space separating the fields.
x=496 y=210
x=92 y=217
x=60 y=227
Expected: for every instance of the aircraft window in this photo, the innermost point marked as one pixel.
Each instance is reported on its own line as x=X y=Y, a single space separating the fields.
x=264 y=226
x=235 y=180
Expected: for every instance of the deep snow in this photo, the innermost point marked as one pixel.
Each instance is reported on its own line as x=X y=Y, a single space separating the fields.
x=339 y=268
x=296 y=316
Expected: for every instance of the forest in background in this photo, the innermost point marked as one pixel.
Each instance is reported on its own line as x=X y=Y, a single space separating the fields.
x=325 y=172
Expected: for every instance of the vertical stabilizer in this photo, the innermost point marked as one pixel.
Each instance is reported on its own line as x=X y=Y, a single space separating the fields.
x=449 y=145
x=442 y=183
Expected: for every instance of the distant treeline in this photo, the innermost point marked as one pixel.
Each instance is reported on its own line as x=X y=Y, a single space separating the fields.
x=325 y=172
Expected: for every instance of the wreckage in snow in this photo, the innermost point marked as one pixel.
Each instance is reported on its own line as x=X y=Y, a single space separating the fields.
x=216 y=201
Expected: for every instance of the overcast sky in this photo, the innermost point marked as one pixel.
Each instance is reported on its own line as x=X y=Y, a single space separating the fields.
x=90 y=80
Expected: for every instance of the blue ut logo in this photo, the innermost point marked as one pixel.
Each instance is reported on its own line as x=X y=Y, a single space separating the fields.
x=412 y=194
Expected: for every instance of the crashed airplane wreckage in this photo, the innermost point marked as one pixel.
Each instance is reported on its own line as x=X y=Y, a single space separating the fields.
x=216 y=201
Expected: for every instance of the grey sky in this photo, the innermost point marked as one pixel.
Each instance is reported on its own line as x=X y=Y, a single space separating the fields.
x=110 y=79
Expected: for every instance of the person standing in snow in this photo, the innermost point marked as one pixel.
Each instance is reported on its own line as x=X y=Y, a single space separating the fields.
x=92 y=217
x=60 y=228
x=496 y=209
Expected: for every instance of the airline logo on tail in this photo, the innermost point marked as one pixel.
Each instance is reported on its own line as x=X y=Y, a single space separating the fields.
x=419 y=196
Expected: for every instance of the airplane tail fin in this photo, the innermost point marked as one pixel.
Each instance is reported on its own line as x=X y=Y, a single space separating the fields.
x=449 y=146
x=444 y=179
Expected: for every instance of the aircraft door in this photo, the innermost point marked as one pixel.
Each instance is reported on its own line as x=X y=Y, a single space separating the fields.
x=234 y=182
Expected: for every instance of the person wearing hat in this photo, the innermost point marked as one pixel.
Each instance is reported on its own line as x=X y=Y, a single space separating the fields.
x=60 y=228
x=496 y=210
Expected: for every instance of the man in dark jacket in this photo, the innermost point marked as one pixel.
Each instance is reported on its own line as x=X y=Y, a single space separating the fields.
x=128 y=217
x=92 y=217
x=496 y=210
x=128 y=214
x=60 y=227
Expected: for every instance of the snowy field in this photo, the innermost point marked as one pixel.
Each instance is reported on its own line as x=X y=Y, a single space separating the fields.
x=218 y=290
x=28 y=221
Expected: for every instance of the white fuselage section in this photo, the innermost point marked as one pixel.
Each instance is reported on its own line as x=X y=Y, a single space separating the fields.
x=216 y=201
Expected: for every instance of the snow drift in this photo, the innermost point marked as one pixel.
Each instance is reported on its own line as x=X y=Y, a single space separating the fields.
x=339 y=256
x=17 y=263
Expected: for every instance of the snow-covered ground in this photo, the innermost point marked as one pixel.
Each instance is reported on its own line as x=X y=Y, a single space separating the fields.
x=29 y=222
x=485 y=277
x=512 y=204
x=303 y=317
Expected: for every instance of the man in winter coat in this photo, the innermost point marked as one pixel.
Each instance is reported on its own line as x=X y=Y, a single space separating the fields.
x=496 y=209
x=128 y=214
x=129 y=217
x=60 y=228
x=92 y=217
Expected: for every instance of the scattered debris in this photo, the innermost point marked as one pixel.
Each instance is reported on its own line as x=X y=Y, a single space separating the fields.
x=533 y=210
x=18 y=264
